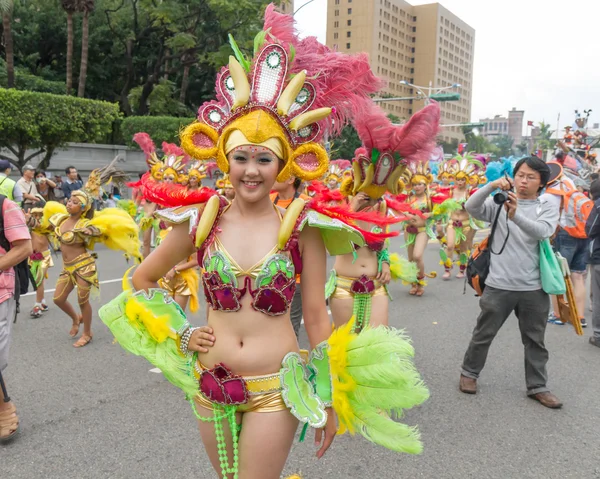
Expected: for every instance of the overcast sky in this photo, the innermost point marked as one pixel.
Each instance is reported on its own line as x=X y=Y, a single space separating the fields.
x=541 y=56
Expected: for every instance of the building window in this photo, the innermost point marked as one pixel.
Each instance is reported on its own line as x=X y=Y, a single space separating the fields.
x=336 y=24
x=414 y=29
x=337 y=13
x=347 y=46
x=349 y=23
x=348 y=34
x=337 y=2
x=349 y=11
x=335 y=36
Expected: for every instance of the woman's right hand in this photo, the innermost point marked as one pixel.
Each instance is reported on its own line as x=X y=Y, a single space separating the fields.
x=202 y=339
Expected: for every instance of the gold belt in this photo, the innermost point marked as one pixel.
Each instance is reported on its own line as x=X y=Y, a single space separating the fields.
x=268 y=383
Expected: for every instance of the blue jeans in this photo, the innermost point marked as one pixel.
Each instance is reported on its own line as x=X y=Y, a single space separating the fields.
x=574 y=250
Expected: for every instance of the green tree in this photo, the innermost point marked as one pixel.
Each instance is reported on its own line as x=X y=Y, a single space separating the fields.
x=522 y=148
x=160 y=128
x=43 y=122
x=6 y=8
x=450 y=147
x=544 y=140
x=504 y=145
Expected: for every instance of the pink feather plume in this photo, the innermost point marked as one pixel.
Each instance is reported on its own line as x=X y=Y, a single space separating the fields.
x=415 y=140
x=145 y=143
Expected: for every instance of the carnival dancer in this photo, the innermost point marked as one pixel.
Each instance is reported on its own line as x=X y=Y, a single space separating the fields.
x=357 y=285
x=196 y=173
x=266 y=127
x=168 y=169
x=338 y=170
x=225 y=188
x=78 y=228
x=419 y=227
x=446 y=179
x=468 y=173
x=40 y=260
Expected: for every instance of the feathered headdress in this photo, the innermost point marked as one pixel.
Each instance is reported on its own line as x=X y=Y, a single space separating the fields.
x=171 y=164
x=338 y=170
x=470 y=168
x=97 y=178
x=416 y=172
x=197 y=169
x=387 y=148
x=288 y=95
x=223 y=182
x=447 y=169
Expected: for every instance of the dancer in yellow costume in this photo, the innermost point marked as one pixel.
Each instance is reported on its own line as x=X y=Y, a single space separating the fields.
x=78 y=228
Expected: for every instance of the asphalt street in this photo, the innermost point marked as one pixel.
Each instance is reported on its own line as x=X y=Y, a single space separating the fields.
x=99 y=412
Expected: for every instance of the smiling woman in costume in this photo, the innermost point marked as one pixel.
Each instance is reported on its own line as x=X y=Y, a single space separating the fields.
x=245 y=369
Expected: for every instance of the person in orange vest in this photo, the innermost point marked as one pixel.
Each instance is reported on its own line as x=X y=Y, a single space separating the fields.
x=282 y=196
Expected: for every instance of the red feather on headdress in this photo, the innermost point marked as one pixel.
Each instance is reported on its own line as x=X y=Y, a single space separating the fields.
x=169 y=195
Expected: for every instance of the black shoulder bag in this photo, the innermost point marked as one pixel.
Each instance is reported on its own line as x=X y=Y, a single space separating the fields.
x=478 y=266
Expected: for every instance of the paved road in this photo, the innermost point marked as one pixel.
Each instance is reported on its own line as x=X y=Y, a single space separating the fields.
x=100 y=413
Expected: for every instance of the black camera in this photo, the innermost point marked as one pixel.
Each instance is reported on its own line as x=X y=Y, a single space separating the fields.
x=500 y=197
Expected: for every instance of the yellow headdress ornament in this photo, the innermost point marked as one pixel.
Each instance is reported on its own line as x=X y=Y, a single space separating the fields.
x=281 y=99
x=197 y=169
x=223 y=182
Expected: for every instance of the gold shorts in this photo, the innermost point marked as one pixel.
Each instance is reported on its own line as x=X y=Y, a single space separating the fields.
x=264 y=394
x=343 y=284
x=176 y=286
x=81 y=268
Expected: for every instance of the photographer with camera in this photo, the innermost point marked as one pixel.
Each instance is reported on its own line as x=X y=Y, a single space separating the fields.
x=514 y=283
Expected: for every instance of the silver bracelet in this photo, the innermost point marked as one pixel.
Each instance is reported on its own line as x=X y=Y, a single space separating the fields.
x=185 y=339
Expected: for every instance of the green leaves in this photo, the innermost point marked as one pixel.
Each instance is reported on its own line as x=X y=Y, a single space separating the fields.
x=30 y=120
x=160 y=128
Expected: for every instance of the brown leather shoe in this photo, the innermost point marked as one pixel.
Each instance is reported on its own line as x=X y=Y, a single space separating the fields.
x=467 y=385
x=547 y=399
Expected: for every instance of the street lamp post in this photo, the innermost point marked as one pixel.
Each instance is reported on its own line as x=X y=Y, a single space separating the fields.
x=430 y=89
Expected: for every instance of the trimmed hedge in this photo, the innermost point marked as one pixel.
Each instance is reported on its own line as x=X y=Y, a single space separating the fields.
x=45 y=121
x=160 y=128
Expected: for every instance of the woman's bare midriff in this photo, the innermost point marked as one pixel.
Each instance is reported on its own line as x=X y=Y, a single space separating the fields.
x=365 y=263
x=460 y=215
x=39 y=243
x=71 y=251
x=249 y=343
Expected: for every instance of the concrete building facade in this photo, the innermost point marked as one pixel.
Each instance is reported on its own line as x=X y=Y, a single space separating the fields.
x=426 y=45
x=511 y=126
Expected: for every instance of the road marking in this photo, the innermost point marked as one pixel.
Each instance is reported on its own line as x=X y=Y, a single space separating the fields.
x=52 y=290
x=155 y=370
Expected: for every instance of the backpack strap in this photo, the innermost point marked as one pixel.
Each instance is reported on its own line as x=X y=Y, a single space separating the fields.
x=3 y=240
x=491 y=237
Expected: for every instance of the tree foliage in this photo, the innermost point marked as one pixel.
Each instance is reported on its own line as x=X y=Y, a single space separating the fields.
x=43 y=122
x=504 y=144
x=160 y=128
x=138 y=45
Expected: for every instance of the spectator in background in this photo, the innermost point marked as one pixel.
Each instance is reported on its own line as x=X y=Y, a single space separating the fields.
x=73 y=182
x=592 y=228
x=59 y=194
x=29 y=188
x=45 y=186
x=8 y=187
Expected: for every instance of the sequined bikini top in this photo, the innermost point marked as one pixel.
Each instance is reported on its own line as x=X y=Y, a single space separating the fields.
x=422 y=205
x=70 y=237
x=225 y=282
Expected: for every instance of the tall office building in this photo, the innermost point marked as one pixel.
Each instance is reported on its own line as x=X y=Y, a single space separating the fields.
x=424 y=45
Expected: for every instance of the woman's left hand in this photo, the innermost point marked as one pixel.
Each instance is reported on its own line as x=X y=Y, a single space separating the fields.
x=330 y=430
x=202 y=339
x=384 y=276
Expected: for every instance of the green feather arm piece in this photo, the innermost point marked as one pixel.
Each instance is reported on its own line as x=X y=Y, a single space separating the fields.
x=150 y=325
x=381 y=381
x=318 y=365
x=298 y=393
x=403 y=269
x=447 y=207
